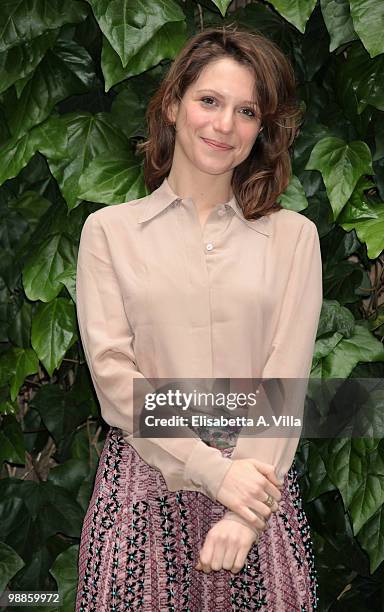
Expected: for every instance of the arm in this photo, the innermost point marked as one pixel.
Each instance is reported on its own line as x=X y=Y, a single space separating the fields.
x=107 y=340
x=292 y=351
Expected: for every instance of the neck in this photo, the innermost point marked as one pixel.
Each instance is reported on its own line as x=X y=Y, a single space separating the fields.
x=207 y=191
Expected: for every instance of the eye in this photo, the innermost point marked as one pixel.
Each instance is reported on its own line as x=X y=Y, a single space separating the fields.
x=253 y=114
x=207 y=98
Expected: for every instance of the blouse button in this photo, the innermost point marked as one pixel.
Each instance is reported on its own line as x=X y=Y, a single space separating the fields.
x=209 y=246
x=221 y=211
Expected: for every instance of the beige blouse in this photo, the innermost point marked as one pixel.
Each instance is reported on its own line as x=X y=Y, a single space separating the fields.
x=159 y=296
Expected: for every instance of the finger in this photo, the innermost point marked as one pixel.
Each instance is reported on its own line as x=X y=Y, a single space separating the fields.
x=270 y=489
x=229 y=557
x=217 y=556
x=205 y=556
x=269 y=471
x=252 y=517
x=273 y=505
x=239 y=561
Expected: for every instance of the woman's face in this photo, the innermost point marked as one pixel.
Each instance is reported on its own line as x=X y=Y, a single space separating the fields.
x=218 y=106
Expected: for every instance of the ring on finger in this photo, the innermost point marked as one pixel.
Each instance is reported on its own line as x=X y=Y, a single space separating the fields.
x=269 y=501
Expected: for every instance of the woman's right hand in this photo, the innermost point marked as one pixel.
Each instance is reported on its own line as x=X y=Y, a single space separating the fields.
x=245 y=489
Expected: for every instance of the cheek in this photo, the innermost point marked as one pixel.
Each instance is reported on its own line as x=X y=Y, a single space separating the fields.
x=195 y=117
x=249 y=135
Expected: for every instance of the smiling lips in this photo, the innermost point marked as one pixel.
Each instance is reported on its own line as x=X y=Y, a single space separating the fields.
x=217 y=145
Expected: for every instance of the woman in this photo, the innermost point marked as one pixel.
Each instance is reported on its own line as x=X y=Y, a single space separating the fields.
x=205 y=278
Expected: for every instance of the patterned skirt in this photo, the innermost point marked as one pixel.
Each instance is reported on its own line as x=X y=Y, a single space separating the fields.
x=140 y=543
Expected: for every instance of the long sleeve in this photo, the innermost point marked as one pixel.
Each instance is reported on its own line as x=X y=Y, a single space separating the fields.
x=291 y=352
x=107 y=339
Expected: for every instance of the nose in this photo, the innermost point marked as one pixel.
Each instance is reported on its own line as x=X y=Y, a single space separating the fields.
x=224 y=120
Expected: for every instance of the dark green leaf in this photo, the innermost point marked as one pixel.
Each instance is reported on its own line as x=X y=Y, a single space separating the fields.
x=361 y=78
x=112 y=179
x=54 y=330
x=293 y=197
x=65 y=571
x=20 y=62
x=11 y=442
x=337 y=17
x=341 y=165
x=296 y=12
x=61 y=413
x=165 y=43
x=26 y=19
x=89 y=136
x=50 y=138
x=335 y=318
x=361 y=346
x=368 y=21
x=54 y=256
x=129 y=27
x=222 y=5
x=10 y=563
x=65 y=70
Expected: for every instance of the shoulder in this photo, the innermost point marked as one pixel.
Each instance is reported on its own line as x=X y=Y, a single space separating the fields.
x=286 y=225
x=117 y=214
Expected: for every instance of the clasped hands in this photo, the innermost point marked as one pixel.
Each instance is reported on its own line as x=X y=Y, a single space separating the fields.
x=244 y=490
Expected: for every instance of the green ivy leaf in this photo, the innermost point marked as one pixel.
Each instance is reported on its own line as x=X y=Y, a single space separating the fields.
x=69 y=475
x=54 y=330
x=10 y=564
x=65 y=572
x=342 y=280
x=130 y=102
x=368 y=20
x=379 y=137
x=362 y=346
x=12 y=447
x=62 y=413
x=129 y=27
x=25 y=362
x=68 y=279
x=50 y=138
x=296 y=12
x=341 y=164
x=337 y=18
x=358 y=473
x=360 y=78
x=371 y=537
x=19 y=62
x=222 y=5
x=66 y=69
x=165 y=43
x=42 y=510
x=52 y=257
x=335 y=318
x=294 y=197
x=88 y=137
x=21 y=362
x=317 y=474
x=324 y=346
x=112 y=179
x=26 y=19
x=366 y=218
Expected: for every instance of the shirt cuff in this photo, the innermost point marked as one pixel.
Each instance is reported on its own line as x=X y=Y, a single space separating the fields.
x=206 y=468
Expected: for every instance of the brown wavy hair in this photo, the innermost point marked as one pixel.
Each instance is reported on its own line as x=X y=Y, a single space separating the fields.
x=260 y=179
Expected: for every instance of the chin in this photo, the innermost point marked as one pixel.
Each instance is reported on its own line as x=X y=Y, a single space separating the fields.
x=210 y=169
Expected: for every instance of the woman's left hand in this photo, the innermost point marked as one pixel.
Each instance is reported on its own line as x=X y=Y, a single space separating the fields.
x=226 y=546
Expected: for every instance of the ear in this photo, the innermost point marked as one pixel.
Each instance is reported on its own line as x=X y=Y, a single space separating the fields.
x=172 y=112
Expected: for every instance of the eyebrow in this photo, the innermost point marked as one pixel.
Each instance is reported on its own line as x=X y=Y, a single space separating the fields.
x=220 y=96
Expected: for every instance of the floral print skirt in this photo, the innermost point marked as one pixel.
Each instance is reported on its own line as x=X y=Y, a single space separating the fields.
x=140 y=543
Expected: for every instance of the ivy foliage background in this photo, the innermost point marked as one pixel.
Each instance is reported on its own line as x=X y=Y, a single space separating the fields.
x=75 y=79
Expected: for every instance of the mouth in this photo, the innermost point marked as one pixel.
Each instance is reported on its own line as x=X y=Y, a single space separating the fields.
x=216 y=145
